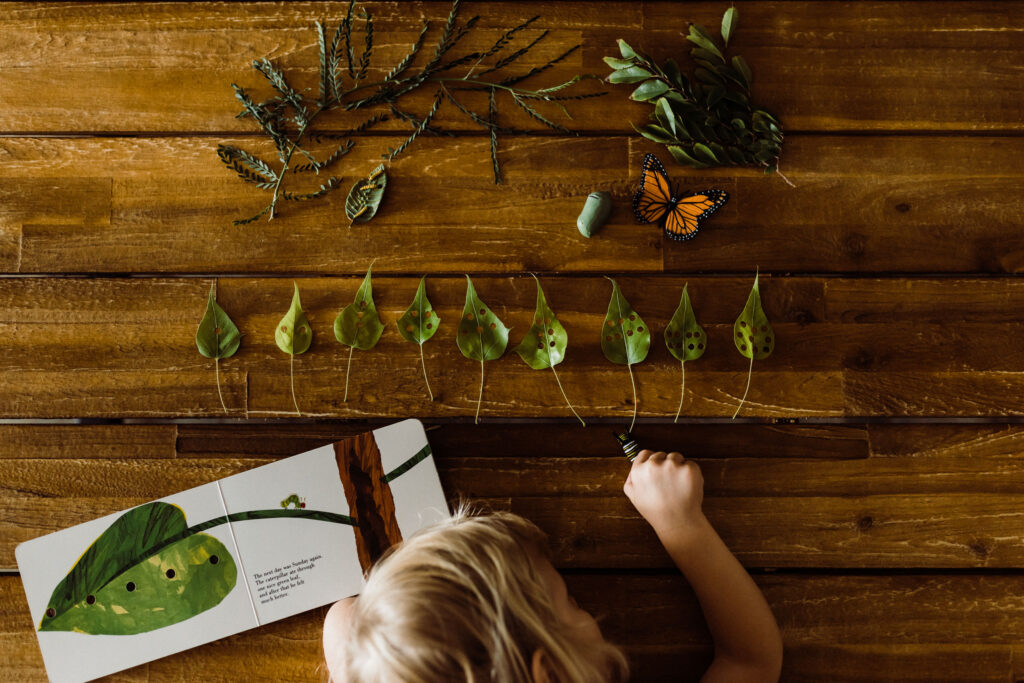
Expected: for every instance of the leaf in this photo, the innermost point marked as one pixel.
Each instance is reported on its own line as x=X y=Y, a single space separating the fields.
x=625 y=339
x=699 y=37
x=655 y=133
x=618 y=63
x=99 y=596
x=631 y=74
x=365 y=196
x=419 y=322
x=680 y=155
x=293 y=334
x=752 y=333
x=217 y=336
x=482 y=336
x=648 y=90
x=728 y=24
x=665 y=115
x=625 y=50
x=684 y=338
x=705 y=151
x=743 y=68
x=358 y=325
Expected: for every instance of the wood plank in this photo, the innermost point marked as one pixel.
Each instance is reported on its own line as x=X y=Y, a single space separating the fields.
x=124 y=205
x=844 y=628
x=928 y=65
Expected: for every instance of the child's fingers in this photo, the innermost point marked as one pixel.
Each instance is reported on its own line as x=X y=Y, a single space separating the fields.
x=643 y=456
x=676 y=456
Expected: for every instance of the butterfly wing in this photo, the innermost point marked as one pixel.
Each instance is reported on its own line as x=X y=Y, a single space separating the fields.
x=652 y=201
x=683 y=221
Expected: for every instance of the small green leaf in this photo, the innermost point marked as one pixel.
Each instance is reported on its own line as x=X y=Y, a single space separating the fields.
x=217 y=336
x=705 y=151
x=713 y=59
x=648 y=90
x=358 y=325
x=419 y=322
x=630 y=75
x=625 y=50
x=365 y=196
x=545 y=342
x=699 y=37
x=743 y=68
x=655 y=133
x=682 y=157
x=752 y=333
x=665 y=115
x=619 y=63
x=293 y=334
x=482 y=336
x=685 y=339
x=728 y=24
x=625 y=338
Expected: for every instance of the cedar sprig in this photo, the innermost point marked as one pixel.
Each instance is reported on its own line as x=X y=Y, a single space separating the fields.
x=708 y=119
x=288 y=117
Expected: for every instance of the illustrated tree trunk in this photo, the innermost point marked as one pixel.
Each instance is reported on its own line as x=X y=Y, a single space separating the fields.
x=369 y=497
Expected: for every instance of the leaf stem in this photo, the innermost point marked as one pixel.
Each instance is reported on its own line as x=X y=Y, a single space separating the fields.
x=287 y=159
x=348 y=371
x=566 y=397
x=480 y=398
x=783 y=176
x=682 y=388
x=423 y=362
x=216 y=366
x=749 y=373
x=291 y=371
x=633 y=382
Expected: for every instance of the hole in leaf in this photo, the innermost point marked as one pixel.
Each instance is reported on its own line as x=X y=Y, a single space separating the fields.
x=540 y=346
x=483 y=311
x=426 y=314
x=284 y=328
x=743 y=323
x=362 y=304
x=750 y=338
x=622 y=320
x=611 y=324
x=766 y=349
x=430 y=326
x=540 y=335
x=170 y=573
x=764 y=329
x=551 y=331
x=629 y=333
x=216 y=330
x=552 y=344
x=90 y=599
x=690 y=346
x=632 y=317
x=688 y=335
x=743 y=347
x=469 y=316
x=700 y=346
x=739 y=334
x=618 y=336
x=214 y=559
x=50 y=612
x=768 y=340
x=608 y=338
x=130 y=586
x=640 y=329
x=493 y=325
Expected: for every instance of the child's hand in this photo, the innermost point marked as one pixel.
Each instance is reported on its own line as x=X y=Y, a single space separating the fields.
x=667 y=490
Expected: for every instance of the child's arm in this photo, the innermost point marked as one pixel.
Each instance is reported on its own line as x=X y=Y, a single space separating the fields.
x=668 y=491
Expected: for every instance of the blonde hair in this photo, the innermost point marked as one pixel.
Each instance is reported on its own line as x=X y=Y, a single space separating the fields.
x=462 y=600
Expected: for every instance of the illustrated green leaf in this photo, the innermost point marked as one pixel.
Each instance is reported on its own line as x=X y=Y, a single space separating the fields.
x=419 y=322
x=545 y=343
x=217 y=336
x=685 y=339
x=365 y=196
x=728 y=24
x=293 y=334
x=752 y=333
x=625 y=339
x=358 y=325
x=482 y=336
x=648 y=90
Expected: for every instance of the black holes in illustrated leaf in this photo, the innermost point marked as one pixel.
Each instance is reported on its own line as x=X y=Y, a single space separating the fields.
x=214 y=559
x=50 y=612
x=690 y=346
x=90 y=599
x=169 y=573
x=130 y=586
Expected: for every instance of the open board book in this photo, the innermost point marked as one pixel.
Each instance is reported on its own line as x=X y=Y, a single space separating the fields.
x=226 y=556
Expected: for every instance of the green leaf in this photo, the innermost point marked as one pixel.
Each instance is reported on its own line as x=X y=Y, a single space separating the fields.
x=667 y=118
x=728 y=24
x=365 y=196
x=699 y=37
x=684 y=338
x=419 y=322
x=648 y=90
x=136 y=550
x=752 y=333
x=625 y=50
x=712 y=59
x=743 y=68
x=625 y=338
x=705 y=151
x=358 y=325
x=683 y=158
x=674 y=74
x=482 y=336
x=217 y=336
x=629 y=75
x=293 y=334
x=619 y=63
x=655 y=133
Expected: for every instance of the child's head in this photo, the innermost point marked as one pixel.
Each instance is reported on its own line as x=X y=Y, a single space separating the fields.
x=472 y=598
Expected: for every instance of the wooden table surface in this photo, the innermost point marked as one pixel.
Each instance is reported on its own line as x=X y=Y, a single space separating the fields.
x=873 y=483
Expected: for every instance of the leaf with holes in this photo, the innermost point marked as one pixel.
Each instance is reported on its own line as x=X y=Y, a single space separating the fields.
x=419 y=323
x=545 y=342
x=365 y=196
x=752 y=335
x=685 y=339
x=482 y=336
x=293 y=336
x=217 y=337
x=358 y=326
x=625 y=339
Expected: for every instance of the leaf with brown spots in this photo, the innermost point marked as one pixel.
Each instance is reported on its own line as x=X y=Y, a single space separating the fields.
x=419 y=323
x=625 y=338
x=217 y=337
x=358 y=326
x=685 y=339
x=752 y=335
x=293 y=336
x=482 y=336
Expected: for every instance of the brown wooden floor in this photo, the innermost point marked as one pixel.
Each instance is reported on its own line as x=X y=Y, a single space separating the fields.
x=886 y=530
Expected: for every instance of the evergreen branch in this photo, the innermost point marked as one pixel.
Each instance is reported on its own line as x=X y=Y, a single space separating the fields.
x=334 y=65
x=316 y=166
x=476 y=118
x=407 y=60
x=512 y=80
x=248 y=167
x=502 y=42
x=364 y=59
x=502 y=63
x=331 y=184
x=325 y=96
x=492 y=118
x=443 y=44
x=392 y=153
x=279 y=83
x=346 y=28
x=251 y=219
x=365 y=125
x=264 y=118
x=534 y=114
x=415 y=122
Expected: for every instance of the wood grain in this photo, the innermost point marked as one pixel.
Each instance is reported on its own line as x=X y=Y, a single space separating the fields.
x=830 y=628
x=915 y=204
x=921 y=66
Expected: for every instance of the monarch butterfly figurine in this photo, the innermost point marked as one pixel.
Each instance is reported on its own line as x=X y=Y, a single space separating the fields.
x=657 y=201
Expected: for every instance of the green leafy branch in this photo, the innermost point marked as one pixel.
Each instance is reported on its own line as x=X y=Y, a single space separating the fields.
x=287 y=117
x=708 y=119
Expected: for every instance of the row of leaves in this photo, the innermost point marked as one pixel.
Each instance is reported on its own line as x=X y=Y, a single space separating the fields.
x=482 y=336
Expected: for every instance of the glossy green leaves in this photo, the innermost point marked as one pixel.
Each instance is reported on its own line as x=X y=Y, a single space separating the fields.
x=293 y=336
x=358 y=326
x=625 y=339
x=365 y=196
x=545 y=342
x=481 y=337
x=217 y=337
x=418 y=324
x=752 y=335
